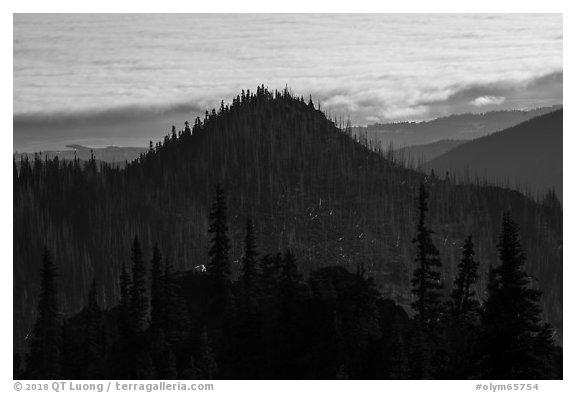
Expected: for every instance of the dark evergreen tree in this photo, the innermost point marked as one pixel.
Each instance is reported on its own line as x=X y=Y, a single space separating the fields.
x=511 y=321
x=44 y=360
x=138 y=298
x=173 y=135
x=426 y=284
x=463 y=296
x=462 y=323
x=426 y=287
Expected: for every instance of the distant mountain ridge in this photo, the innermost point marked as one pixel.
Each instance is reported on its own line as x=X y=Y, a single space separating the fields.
x=112 y=154
x=526 y=155
x=456 y=127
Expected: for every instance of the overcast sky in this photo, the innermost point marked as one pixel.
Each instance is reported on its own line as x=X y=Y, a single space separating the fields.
x=95 y=69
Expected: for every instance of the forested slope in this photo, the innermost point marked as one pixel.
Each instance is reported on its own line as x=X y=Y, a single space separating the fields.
x=306 y=184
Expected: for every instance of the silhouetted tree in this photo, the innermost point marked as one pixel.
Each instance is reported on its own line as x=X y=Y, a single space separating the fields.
x=462 y=323
x=44 y=359
x=426 y=287
x=511 y=321
x=463 y=300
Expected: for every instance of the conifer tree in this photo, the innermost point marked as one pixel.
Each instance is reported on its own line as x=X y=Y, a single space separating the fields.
x=462 y=324
x=138 y=299
x=426 y=285
x=511 y=320
x=173 y=135
x=463 y=295
x=45 y=348
x=219 y=266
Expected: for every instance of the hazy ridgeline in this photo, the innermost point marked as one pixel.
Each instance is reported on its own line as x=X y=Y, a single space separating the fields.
x=307 y=186
x=527 y=156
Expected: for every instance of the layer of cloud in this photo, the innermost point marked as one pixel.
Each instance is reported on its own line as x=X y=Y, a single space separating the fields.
x=382 y=106
x=365 y=67
x=487 y=101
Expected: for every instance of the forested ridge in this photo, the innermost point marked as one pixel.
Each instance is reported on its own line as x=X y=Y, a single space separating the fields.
x=270 y=323
x=307 y=186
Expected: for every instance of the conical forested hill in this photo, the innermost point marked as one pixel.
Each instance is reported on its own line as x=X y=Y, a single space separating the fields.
x=306 y=184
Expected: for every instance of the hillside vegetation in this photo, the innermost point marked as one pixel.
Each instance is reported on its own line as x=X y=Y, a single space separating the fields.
x=307 y=186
